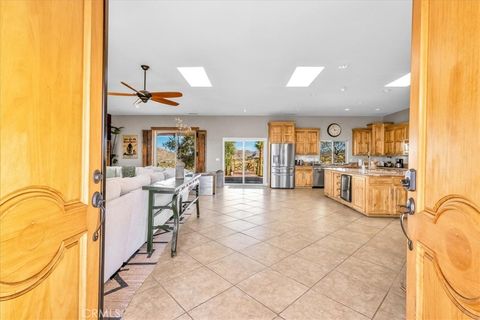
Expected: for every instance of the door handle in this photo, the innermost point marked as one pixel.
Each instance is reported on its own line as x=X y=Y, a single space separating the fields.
x=98 y=202
x=410 y=210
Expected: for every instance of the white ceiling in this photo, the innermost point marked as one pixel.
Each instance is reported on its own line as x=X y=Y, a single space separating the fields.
x=250 y=48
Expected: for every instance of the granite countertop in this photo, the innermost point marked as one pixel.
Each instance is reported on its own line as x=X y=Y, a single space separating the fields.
x=379 y=172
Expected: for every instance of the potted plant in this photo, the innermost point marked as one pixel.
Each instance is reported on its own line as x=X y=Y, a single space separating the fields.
x=115 y=131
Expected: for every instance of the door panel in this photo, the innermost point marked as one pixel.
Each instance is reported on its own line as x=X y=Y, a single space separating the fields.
x=443 y=278
x=51 y=87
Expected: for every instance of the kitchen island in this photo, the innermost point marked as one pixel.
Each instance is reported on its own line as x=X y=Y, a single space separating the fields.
x=376 y=192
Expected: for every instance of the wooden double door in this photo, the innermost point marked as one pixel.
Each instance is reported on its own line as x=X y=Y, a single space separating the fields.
x=51 y=88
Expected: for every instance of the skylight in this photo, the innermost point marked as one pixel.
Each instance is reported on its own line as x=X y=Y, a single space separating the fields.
x=403 y=81
x=195 y=76
x=304 y=76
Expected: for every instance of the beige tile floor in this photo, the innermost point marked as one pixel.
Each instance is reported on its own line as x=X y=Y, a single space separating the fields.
x=257 y=253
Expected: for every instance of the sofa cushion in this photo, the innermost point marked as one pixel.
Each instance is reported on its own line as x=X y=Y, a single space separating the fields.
x=143 y=170
x=130 y=184
x=157 y=176
x=128 y=171
x=113 y=189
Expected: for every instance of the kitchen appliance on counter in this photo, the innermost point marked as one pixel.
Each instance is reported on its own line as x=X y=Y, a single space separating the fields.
x=318 y=176
x=282 y=164
x=399 y=163
x=346 y=187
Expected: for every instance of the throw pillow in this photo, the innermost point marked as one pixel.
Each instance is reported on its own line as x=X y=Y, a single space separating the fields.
x=111 y=172
x=128 y=171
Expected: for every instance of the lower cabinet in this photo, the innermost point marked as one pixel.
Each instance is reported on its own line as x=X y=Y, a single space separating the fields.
x=399 y=196
x=303 y=177
x=371 y=195
x=328 y=183
x=379 y=199
x=337 y=184
x=358 y=192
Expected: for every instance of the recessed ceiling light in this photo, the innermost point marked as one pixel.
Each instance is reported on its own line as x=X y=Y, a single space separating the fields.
x=195 y=76
x=304 y=76
x=343 y=66
x=377 y=109
x=403 y=81
x=347 y=109
x=343 y=89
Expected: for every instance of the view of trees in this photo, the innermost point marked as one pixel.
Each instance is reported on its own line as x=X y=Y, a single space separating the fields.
x=235 y=164
x=229 y=154
x=168 y=151
x=333 y=152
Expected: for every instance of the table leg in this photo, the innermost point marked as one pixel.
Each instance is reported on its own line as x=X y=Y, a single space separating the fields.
x=150 y=223
x=198 y=200
x=176 y=222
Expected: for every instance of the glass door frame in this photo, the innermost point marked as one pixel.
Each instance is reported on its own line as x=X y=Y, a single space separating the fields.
x=243 y=140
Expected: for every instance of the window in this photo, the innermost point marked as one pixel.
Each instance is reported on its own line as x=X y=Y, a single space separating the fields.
x=333 y=152
x=170 y=146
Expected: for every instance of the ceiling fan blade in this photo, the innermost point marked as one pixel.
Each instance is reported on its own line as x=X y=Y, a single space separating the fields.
x=126 y=85
x=165 y=101
x=166 y=94
x=121 y=94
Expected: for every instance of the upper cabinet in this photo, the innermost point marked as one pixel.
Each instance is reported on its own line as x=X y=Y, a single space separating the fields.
x=307 y=141
x=380 y=139
x=361 y=141
x=396 y=136
x=281 y=132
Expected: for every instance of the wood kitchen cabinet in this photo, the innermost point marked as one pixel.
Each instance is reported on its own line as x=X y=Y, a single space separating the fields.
x=380 y=139
x=281 y=132
x=399 y=196
x=358 y=192
x=337 y=182
x=303 y=177
x=307 y=141
x=361 y=138
x=328 y=183
x=377 y=147
x=389 y=141
x=400 y=133
x=372 y=195
x=379 y=199
x=395 y=137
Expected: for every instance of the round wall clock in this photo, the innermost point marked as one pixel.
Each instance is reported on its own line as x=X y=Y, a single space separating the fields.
x=334 y=130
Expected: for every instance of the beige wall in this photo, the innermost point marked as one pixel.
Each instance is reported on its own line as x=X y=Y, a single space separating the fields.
x=400 y=116
x=219 y=127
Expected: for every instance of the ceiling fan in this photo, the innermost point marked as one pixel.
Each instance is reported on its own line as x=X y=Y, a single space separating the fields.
x=144 y=95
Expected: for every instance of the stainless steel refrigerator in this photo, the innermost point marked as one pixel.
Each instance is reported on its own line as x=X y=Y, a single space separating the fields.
x=282 y=165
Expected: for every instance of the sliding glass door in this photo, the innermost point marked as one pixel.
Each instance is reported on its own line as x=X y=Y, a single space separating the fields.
x=244 y=160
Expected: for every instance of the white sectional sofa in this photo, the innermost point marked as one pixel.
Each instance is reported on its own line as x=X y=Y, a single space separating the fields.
x=126 y=214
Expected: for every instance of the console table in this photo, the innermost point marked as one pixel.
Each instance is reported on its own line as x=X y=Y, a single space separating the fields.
x=174 y=187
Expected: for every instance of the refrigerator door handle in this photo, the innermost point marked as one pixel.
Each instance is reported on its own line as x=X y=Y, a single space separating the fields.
x=276 y=160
